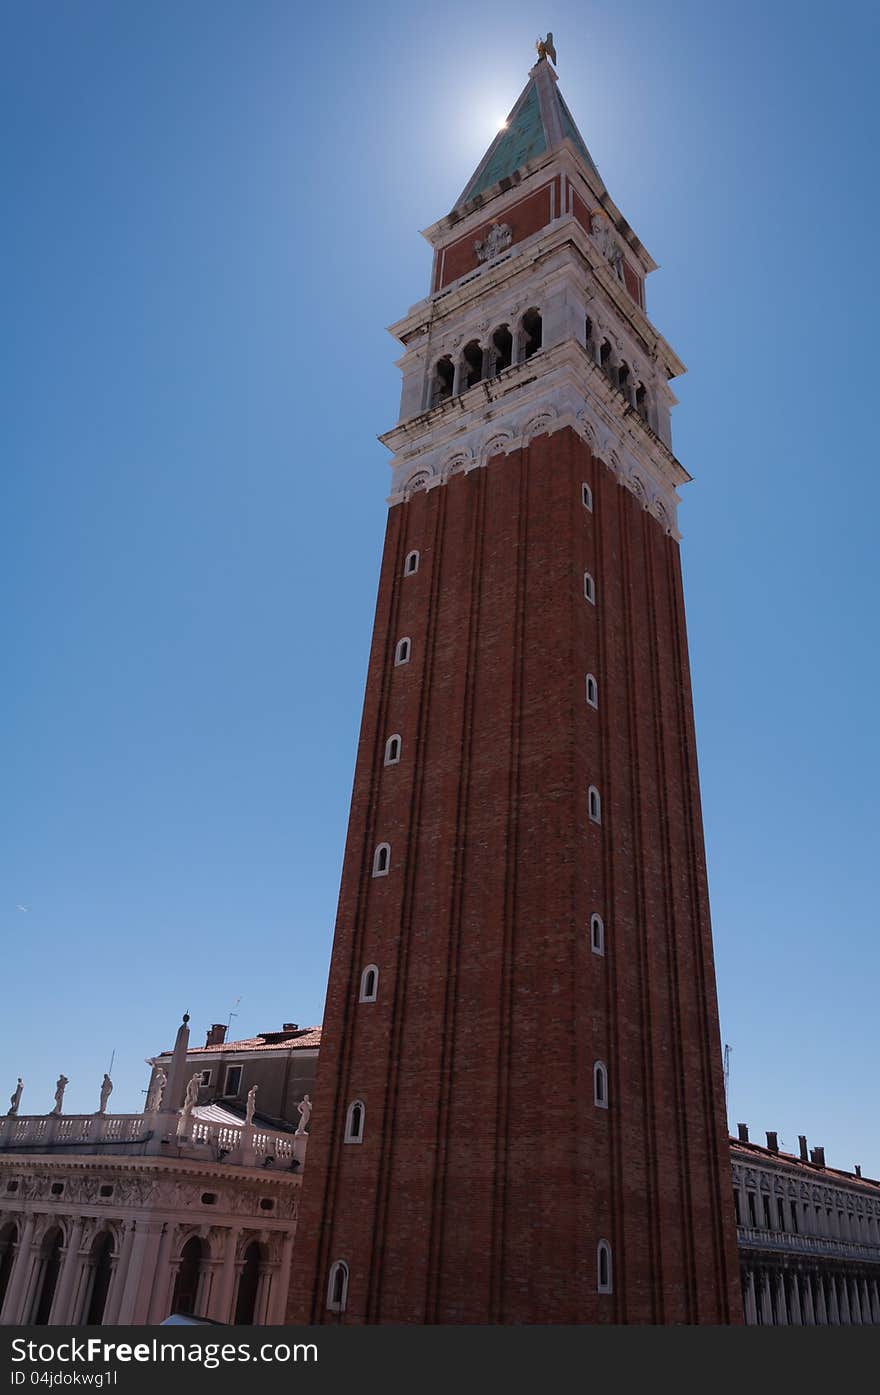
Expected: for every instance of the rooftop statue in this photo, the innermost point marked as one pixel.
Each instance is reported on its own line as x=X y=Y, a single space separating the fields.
x=305 y=1113
x=191 y=1098
x=61 y=1085
x=251 y=1104
x=15 y=1099
x=154 y=1097
x=106 y=1092
x=545 y=48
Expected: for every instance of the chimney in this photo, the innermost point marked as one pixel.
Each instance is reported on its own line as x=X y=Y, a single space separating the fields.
x=290 y=1027
x=216 y=1034
x=817 y=1156
x=772 y=1142
x=858 y=1170
x=743 y=1131
x=802 y=1140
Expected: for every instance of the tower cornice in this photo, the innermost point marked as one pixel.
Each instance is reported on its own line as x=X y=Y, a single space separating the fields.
x=562 y=386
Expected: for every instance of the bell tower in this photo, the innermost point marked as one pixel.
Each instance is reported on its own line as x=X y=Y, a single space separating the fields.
x=519 y=1112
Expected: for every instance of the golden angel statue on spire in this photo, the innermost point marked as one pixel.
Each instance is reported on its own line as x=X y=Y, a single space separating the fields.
x=545 y=48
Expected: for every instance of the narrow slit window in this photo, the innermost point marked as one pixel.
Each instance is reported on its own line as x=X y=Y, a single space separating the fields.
x=402 y=652
x=393 y=750
x=597 y=934
x=600 y=1085
x=603 y=1267
x=354 y=1122
x=337 y=1287
x=587 y=497
x=369 y=984
x=382 y=860
x=592 y=691
x=411 y=564
x=589 y=588
x=594 y=804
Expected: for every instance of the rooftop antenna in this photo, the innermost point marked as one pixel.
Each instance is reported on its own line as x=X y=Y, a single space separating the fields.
x=726 y=1071
x=112 y=1059
x=232 y=1014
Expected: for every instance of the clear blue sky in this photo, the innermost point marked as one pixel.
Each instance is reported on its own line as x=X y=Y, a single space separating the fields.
x=211 y=213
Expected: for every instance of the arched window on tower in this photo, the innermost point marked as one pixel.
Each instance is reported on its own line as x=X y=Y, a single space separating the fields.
x=603 y=1267
x=444 y=377
x=606 y=362
x=592 y=691
x=600 y=1085
x=589 y=588
x=623 y=380
x=393 y=748
x=354 y=1122
x=597 y=934
x=587 y=497
x=594 y=804
x=402 y=652
x=502 y=349
x=471 y=365
x=337 y=1287
x=589 y=337
x=411 y=564
x=642 y=402
x=532 y=329
x=369 y=984
x=382 y=860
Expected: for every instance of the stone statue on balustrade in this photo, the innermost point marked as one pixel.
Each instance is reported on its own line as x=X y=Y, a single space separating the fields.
x=106 y=1092
x=251 y=1104
x=15 y=1099
x=191 y=1098
x=305 y=1113
x=154 y=1095
x=61 y=1085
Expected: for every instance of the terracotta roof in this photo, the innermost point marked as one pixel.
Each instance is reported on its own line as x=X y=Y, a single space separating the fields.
x=757 y=1152
x=304 y=1038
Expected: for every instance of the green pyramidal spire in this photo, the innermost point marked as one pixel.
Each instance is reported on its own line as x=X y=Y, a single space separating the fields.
x=539 y=121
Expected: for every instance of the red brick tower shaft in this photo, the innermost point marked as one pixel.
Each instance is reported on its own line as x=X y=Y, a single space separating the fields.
x=519 y=1111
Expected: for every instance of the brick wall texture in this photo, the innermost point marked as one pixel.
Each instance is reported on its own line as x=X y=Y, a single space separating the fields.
x=487 y=1175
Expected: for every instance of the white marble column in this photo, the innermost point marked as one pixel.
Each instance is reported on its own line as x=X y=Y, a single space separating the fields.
x=833 y=1305
x=221 y=1307
x=264 y=1292
x=875 y=1300
x=60 y=1315
x=750 y=1307
x=160 y=1302
x=85 y=1277
x=278 y=1312
x=120 y=1273
x=12 y=1303
x=32 y=1282
x=781 y=1304
x=855 y=1307
x=766 y=1305
x=135 y=1302
x=807 y=1308
x=205 y=1286
x=843 y=1303
x=795 y=1316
